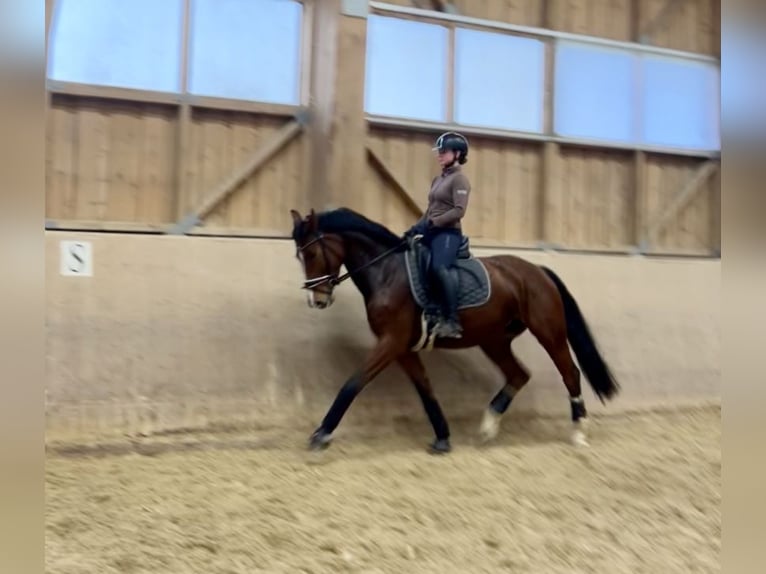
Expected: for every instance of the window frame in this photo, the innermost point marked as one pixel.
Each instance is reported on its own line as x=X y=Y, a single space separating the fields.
x=182 y=95
x=551 y=39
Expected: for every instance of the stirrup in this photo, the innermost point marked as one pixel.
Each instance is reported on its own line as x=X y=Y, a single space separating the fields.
x=449 y=329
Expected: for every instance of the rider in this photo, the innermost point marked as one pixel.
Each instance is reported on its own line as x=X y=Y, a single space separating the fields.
x=440 y=225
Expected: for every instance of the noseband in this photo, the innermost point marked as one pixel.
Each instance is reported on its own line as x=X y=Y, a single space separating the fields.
x=331 y=278
x=328 y=277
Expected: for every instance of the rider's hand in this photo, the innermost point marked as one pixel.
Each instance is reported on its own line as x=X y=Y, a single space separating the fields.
x=420 y=228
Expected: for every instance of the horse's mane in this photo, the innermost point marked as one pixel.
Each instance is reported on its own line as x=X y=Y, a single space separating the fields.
x=344 y=220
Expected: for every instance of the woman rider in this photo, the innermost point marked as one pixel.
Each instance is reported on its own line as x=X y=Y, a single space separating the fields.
x=441 y=227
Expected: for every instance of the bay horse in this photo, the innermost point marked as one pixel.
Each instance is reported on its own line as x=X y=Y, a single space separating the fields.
x=521 y=296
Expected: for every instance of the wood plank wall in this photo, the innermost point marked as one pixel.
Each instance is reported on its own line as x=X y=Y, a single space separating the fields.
x=116 y=161
x=109 y=161
x=688 y=25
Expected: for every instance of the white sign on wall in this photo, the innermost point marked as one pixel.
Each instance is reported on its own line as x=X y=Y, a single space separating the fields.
x=77 y=258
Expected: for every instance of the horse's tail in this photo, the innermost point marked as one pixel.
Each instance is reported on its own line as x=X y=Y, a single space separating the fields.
x=596 y=370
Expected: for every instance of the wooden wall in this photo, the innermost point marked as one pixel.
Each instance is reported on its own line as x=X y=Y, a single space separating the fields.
x=688 y=25
x=118 y=164
x=110 y=161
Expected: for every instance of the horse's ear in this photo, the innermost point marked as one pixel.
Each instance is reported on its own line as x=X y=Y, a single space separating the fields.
x=312 y=220
x=297 y=218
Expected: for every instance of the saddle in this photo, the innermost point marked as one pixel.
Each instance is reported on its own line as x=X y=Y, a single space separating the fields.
x=472 y=277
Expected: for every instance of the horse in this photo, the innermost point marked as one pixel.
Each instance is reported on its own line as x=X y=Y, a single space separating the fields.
x=519 y=295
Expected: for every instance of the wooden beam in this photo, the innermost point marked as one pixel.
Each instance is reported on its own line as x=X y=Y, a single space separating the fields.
x=389 y=176
x=550 y=164
x=227 y=187
x=324 y=35
x=715 y=215
x=345 y=151
x=716 y=31
x=50 y=7
x=639 y=197
x=104 y=226
x=681 y=200
x=228 y=104
x=184 y=121
x=438 y=127
x=169 y=98
x=109 y=92
x=244 y=232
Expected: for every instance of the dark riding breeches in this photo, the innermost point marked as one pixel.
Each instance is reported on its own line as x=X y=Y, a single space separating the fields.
x=444 y=245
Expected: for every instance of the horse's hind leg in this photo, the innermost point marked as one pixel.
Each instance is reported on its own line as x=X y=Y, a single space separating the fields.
x=516 y=376
x=552 y=335
x=415 y=370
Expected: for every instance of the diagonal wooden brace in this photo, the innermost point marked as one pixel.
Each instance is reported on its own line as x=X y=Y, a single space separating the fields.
x=681 y=200
x=388 y=175
x=229 y=186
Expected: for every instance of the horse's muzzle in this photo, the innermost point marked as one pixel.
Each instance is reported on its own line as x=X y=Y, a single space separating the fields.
x=324 y=300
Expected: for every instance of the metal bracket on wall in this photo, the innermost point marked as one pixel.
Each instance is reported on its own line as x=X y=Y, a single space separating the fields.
x=190 y=221
x=354 y=8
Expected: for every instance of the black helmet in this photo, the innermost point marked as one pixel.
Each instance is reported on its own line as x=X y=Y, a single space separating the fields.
x=452 y=141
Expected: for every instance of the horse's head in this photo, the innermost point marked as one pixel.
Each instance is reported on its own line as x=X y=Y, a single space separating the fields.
x=321 y=256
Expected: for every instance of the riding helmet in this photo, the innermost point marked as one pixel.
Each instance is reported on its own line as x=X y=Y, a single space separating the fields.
x=453 y=141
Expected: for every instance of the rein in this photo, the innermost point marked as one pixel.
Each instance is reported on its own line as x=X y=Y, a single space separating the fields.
x=334 y=280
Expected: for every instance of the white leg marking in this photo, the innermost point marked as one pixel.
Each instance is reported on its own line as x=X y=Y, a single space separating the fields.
x=490 y=424
x=578 y=434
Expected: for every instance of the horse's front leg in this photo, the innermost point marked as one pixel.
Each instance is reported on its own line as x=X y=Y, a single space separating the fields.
x=415 y=370
x=386 y=351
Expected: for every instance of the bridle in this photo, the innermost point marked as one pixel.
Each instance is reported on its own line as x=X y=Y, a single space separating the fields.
x=331 y=278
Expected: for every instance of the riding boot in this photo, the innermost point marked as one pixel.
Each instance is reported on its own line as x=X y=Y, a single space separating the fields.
x=450 y=327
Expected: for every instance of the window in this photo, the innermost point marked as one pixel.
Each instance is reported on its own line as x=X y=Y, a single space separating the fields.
x=406 y=69
x=499 y=81
x=594 y=93
x=680 y=106
x=246 y=49
x=128 y=44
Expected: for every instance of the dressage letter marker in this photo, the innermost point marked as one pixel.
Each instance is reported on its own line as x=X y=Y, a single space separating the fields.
x=77 y=258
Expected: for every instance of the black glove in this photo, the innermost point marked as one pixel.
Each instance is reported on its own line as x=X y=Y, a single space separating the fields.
x=420 y=228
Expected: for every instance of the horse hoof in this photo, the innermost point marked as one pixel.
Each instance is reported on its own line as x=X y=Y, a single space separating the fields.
x=490 y=425
x=319 y=440
x=579 y=440
x=440 y=446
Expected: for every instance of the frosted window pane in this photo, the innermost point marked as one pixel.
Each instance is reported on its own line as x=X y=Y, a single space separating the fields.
x=121 y=43
x=594 y=93
x=680 y=103
x=406 y=69
x=246 y=49
x=499 y=81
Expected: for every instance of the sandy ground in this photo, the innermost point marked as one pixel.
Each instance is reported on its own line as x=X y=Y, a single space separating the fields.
x=644 y=498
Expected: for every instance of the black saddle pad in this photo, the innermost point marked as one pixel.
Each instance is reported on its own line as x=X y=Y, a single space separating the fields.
x=473 y=280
